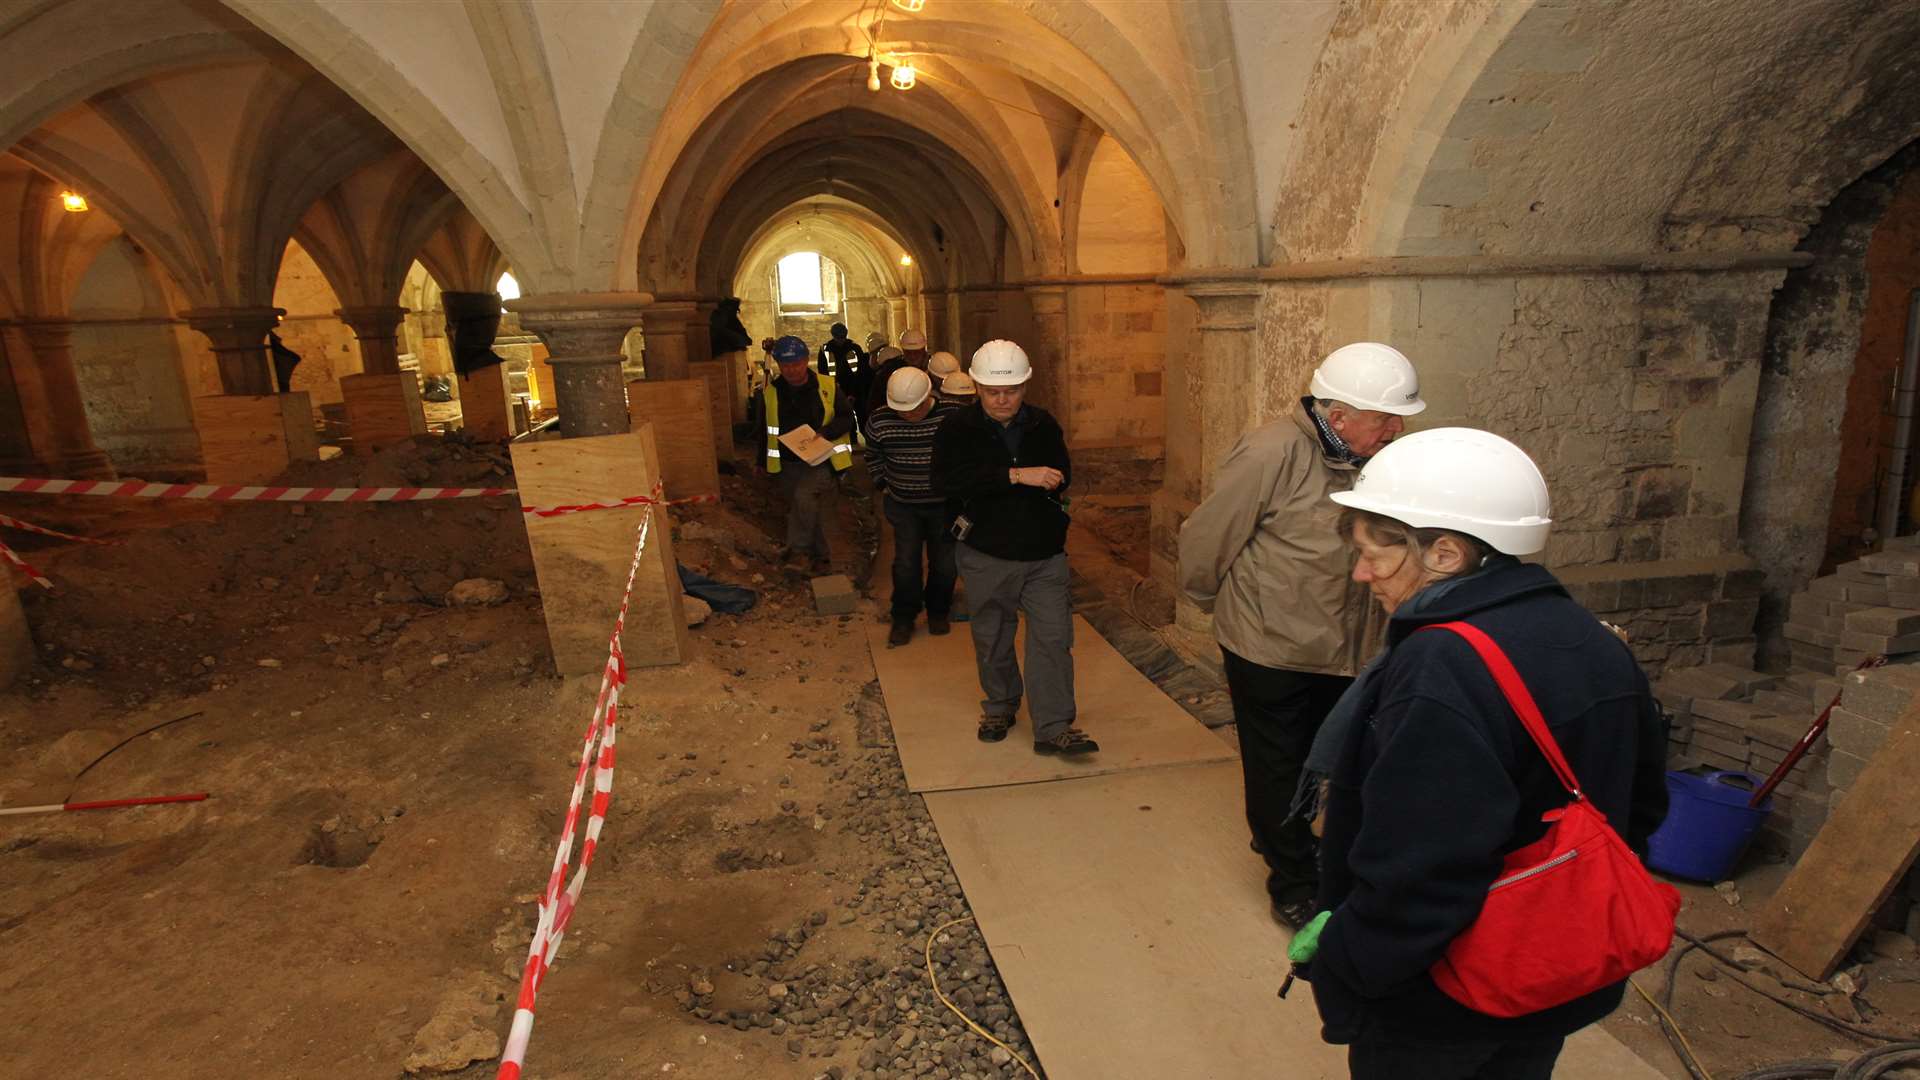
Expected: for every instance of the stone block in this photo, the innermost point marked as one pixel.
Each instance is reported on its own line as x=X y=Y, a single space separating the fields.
x=1843 y=770
x=1800 y=631
x=1882 y=694
x=1720 y=728
x=1697 y=684
x=1884 y=620
x=582 y=560
x=1854 y=733
x=1733 y=749
x=1828 y=588
x=1880 y=644
x=1783 y=702
x=1805 y=605
x=1905 y=563
x=1743 y=584
x=1746 y=679
x=833 y=595
x=1737 y=714
x=1859 y=593
x=1731 y=618
x=1778 y=731
x=16 y=638
x=1739 y=651
x=1717 y=760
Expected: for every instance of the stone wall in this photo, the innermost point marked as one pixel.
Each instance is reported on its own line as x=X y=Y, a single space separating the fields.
x=128 y=358
x=327 y=347
x=1803 y=458
x=1116 y=349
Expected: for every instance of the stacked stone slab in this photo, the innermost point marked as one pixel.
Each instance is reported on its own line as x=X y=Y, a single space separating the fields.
x=1868 y=607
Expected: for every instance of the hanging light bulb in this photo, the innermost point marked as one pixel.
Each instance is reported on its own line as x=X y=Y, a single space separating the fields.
x=906 y=260
x=873 y=73
x=73 y=202
x=909 y=6
x=903 y=76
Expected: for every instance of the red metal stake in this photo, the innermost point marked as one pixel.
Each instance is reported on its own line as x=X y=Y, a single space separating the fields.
x=1806 y=742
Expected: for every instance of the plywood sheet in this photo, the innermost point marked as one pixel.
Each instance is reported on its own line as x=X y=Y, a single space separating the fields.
x=683 y=430
x=1866 y=847
x=715 y=374
x=1130 y=924
x=933 y=699
x=382 y=409
x=582 y=559
x=250 y=438
x=484 y=412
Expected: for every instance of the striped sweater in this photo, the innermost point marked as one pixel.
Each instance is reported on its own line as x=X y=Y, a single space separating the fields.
x=900 y=453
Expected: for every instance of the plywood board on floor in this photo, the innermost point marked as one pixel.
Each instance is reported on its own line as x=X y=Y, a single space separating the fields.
x=683 y=430
x=933 y=699
x=1130 y=924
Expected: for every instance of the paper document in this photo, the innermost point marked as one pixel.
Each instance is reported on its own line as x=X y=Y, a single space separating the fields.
x=807 y=443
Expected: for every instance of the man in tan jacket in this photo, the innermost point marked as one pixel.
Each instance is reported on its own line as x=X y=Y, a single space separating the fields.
x=1262 y=555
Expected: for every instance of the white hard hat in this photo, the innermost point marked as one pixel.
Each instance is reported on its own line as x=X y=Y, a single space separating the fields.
x=1001 y=363
x=885 y=353
x=907 y=388
x=1368 y=375
x=876 y=340
x=958 y=384
x=913 y=339
x=942 y=364
x=1463 y=479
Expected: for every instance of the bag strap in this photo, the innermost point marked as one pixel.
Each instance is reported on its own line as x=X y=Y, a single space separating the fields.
x=1515 y=690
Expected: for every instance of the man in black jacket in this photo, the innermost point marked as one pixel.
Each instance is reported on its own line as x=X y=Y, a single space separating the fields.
x=851 y=367
x=1003 y=467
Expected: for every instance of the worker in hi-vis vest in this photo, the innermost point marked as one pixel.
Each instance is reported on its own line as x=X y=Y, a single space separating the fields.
x=803 y=397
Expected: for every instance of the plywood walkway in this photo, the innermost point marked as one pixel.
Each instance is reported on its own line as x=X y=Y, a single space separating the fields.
x=1121 y=904
x=933 y=697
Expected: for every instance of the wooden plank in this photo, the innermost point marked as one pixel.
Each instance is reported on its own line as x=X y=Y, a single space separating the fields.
x=933 y=698
x=484 y=412
x=582 y=559
x=1865 y=849
x=683 y=430
x=715 y=374
x=250 y=438
x=382 y=409
x=1130 y=924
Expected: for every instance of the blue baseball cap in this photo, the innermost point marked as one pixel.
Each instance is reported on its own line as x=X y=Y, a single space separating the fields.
x=790 y=350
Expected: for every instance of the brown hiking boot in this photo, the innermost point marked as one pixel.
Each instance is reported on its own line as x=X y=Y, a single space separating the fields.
x=901 y=633
x=937 y=625
x=1068 y=743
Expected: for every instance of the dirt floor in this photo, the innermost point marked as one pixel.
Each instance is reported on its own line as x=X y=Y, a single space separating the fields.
x=389 y=772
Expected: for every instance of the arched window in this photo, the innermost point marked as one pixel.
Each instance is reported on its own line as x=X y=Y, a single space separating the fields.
x=507 y=287
x=808 y=284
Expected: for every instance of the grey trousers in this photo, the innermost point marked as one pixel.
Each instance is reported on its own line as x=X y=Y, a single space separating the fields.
x=807 y=488
x=998 y=592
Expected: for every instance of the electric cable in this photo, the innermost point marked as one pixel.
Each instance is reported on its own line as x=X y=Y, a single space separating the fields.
x=955 y=1009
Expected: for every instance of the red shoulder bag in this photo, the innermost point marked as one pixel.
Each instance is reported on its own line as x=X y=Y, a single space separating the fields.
x=1570 y=913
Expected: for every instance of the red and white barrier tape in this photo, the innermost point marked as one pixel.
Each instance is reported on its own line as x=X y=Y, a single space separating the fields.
x=26 y=568
x=102 y=804
x=28 y=526
x=631 y=500
x=557 y=906
x=141 y=489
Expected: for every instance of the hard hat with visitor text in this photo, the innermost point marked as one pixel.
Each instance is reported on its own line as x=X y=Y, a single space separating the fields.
x=942 y=364
x=790 y=350
x=1000 y=363
x=913 y=339
x=1369 y=375
x=876 y=341
x=907 y=388
x=958 y=384
x=1463 y=479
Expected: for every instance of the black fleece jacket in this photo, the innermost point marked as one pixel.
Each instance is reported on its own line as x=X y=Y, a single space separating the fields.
x=1445 y=781
x=970 y=463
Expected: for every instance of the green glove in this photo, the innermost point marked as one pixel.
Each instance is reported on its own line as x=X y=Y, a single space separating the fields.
x=1306 y=943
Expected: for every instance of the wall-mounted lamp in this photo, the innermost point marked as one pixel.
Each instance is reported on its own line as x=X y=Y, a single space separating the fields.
x=909 y=6
x=906 y=260
x=903 y=76
x=73 y=202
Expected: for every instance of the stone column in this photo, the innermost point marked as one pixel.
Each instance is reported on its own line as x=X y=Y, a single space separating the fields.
x=1208 y=408
x=667 y=327
x=1048 y=351
x=897 y=318
x=583 y=333
x=378 y=329
x=699 y=339
x=64 y=446
x=937 y=322
x=239 y=340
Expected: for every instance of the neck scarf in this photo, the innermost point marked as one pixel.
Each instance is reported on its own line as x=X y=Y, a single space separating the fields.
x=1336 y=447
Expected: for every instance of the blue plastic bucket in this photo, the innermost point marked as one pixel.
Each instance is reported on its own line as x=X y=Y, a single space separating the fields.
x=1708 y=826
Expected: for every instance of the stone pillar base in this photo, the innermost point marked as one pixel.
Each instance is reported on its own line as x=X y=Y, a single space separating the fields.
x=250 y=438
x=486 y=414
x=85 y=465
x=16 y=639
x=582 y=559
x=715 y=374
x=382 y=409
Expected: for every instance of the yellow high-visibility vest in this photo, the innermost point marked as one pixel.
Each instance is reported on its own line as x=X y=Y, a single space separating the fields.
x=842 y=451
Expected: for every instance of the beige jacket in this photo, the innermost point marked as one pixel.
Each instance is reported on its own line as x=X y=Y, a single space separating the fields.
x=1262 y=555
